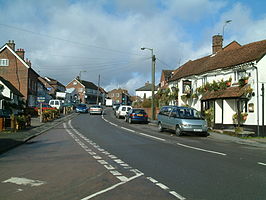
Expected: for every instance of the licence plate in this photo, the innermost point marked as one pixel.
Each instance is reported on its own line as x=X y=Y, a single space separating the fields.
x=140 y=115
x=198 y=130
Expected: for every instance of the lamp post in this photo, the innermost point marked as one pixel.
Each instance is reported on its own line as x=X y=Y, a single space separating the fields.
x=80 y=73
x=152 y=82
x=225 y=23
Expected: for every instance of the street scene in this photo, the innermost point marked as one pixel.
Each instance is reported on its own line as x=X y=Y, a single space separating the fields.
x=132 y=100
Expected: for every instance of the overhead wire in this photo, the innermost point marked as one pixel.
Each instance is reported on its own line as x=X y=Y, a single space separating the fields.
x=69 y=41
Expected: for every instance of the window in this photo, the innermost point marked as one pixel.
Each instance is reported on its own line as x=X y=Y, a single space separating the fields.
x=204 y=80
x=112 y=95
x=117 y=94
x=4 y=62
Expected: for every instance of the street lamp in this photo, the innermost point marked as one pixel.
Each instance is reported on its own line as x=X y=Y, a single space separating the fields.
x=225 y=23
x=80 y=73
x=152 y=82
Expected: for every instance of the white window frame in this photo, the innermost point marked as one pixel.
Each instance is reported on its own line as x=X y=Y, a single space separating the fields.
x=4 y=62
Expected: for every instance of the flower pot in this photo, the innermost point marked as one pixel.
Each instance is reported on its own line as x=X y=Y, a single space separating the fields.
x=228 y=84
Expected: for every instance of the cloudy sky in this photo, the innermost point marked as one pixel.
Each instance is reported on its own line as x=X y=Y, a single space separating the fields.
x=65 y=38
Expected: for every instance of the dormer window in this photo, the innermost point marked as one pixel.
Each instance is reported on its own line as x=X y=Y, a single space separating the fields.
x=4 y=62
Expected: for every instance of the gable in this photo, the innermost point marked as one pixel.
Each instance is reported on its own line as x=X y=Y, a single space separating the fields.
x=15 y=54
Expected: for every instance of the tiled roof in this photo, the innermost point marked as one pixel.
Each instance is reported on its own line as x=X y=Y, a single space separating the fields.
x=167 y=73
x=223 y=59
x=231 y=92
x=88 y=84
x=147 y=87
x=11 y=87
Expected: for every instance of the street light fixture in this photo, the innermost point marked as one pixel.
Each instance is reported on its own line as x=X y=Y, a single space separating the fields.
x=80 y=73
x=152 y=82
x=225 y=23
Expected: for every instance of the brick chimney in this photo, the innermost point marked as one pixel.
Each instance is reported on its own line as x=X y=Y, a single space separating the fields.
x=11 y=44
x=21 y=53
x=217 y=43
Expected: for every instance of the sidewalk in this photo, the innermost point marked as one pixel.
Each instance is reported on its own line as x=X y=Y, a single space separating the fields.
x=9 y=140
x=258 y=142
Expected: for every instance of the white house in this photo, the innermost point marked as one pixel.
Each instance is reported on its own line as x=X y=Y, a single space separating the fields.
x=229 y=82
x=145 y=91
x=10 y=97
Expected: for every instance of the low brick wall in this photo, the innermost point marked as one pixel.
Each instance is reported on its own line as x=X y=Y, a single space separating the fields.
x=148 y=111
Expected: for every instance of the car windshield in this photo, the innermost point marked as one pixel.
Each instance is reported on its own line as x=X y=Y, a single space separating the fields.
x=187 y=113
x=95 y=106
x=82 y=105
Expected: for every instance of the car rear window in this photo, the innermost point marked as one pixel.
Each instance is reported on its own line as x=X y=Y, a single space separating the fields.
x=137 y=111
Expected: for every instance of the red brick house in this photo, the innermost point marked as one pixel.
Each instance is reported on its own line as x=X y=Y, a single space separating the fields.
x=17 y=70
x=52 y=85
x=87 y=92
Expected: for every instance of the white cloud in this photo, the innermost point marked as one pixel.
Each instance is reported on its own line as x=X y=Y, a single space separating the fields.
x=105 y=38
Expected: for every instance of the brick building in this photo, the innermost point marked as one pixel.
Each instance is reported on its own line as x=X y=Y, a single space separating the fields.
x=120 y=96
x=17 y=70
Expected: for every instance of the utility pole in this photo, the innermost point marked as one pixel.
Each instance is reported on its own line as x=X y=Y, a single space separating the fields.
x=152 y=82
x=153 y=88
x=98 y=89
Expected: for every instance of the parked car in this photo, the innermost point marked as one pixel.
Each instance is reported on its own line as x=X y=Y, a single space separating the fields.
x=96 y=109
x=56 y=103
x=181 y=120
x=136 y=115
x=122 y=111
x=82 y=108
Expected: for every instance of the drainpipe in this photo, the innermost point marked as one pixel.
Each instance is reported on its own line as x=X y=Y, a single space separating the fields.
x=258 y=114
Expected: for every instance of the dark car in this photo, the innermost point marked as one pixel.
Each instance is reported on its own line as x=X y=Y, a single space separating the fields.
x=136 y=115
x=82 y=108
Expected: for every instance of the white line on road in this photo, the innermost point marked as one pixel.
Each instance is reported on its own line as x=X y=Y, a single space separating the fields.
x=199 y=149
x=261 y=163
x=127 y=129
x=157 y=138
x=111 y=188
x=24 y=181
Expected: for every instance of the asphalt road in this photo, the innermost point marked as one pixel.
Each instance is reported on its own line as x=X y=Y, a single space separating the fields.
x=101 y=157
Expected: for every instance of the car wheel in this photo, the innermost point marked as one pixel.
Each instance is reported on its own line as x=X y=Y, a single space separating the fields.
x=130 y=120
x=160 y=127
x=178 y=131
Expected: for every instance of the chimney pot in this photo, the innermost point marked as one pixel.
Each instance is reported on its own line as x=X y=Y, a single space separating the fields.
x=11 y=44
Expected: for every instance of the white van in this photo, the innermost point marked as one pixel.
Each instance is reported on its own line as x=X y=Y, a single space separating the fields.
x=56 y=104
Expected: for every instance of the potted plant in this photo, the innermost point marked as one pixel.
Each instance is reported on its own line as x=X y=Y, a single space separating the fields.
x=248 y=91
x=242 y=118
x=243 y=81
x=228 y=82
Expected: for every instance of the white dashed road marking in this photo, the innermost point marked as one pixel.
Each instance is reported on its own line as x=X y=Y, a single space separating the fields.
x=109 y=167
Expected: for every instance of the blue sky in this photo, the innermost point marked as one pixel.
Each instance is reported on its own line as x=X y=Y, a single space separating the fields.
x=104 y=37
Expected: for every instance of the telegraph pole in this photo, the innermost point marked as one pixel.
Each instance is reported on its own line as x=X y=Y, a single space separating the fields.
x=152 y=82
x=98 y=89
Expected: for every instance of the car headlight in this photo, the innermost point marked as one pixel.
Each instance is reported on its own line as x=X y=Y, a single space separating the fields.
x=186 y=125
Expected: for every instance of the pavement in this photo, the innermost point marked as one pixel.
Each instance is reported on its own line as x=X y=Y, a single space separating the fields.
x=9 y=140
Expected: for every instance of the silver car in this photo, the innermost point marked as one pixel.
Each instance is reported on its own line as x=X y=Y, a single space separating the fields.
x=96 y=109
x=181 y=120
